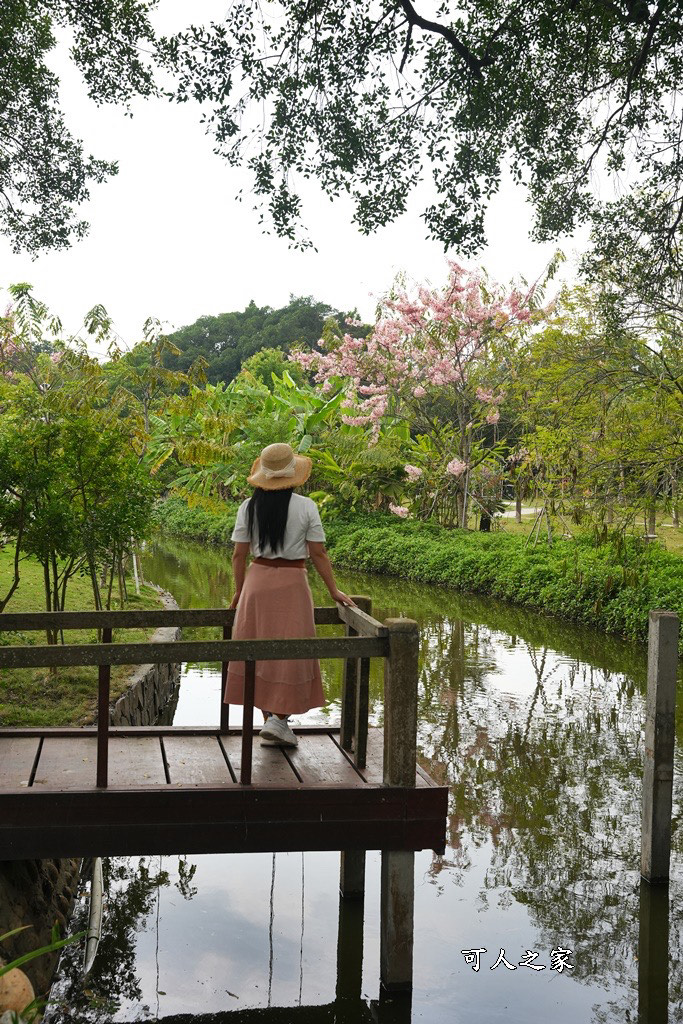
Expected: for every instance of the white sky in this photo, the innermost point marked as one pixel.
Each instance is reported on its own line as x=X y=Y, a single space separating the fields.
x=168 y=238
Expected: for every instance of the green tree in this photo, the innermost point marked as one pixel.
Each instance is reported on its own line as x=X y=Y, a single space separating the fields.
x=74 y=490
x=269 y=363
x=44 y=172
x=363 y=97
x=226 y=341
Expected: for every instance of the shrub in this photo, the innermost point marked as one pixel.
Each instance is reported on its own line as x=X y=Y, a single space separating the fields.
x=611 y=586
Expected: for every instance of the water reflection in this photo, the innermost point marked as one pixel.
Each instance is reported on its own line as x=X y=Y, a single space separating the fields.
x=536 y=727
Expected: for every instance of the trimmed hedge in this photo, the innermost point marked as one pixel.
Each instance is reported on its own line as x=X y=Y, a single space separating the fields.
x=611 y=586
x=174 y=517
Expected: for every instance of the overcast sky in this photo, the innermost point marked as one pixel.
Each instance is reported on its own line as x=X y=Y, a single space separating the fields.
x=168 y=238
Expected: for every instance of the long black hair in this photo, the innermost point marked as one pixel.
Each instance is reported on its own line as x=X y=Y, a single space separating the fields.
x=270 y=509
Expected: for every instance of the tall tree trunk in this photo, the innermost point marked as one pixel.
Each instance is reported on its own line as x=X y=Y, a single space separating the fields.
x=674 y=502
x=48 y=598
x=651 y=520
x=121 y=585
x=56 y=604
x=92 y=568
x=518 y=504
x=111 y=583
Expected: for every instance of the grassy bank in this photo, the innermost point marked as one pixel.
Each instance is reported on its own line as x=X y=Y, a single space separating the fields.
x=611 y=586
x=33 y=696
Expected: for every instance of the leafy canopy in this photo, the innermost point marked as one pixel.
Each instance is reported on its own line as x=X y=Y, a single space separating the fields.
x=366 y=96
x=44 y=172
x=369 y=98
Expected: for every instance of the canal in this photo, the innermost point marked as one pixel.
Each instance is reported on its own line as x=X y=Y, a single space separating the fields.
x=536 y=726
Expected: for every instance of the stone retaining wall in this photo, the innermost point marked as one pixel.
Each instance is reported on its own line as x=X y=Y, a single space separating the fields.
x=39 y=893
x=151 y=687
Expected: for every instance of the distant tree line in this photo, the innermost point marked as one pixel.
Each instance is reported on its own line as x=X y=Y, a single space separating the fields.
x=226 y=341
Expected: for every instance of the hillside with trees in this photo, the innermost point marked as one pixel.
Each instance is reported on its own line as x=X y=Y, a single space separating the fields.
x=226 y=341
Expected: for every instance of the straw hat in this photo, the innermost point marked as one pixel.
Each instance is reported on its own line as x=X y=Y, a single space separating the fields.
x=277 y=467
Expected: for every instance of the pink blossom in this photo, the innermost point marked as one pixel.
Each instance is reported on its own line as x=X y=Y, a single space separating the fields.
x=484 y=396
x=414 y=472
x=399 y=510
x=419 y=391
x=493 y=417
x=456 y=467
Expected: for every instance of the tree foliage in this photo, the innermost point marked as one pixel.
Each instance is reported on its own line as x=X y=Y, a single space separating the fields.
x=369 y=97
x=44 y=172
x=74 y=492
x=226 y=341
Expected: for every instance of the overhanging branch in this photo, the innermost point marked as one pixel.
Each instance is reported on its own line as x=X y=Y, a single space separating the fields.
x=472 y=62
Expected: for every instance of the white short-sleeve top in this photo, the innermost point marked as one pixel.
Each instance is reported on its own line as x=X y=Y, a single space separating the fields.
x=303 y=524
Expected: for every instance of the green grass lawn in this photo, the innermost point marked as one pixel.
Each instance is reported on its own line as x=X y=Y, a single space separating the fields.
x=34 y=696
x=669 y=536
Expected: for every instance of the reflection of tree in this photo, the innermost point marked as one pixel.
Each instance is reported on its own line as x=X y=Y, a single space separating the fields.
x=546 y=771
x=131 y=889
x=550 y=777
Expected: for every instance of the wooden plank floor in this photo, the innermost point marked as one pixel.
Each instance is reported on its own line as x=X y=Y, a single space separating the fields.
x=53 y=762
x=178 y=791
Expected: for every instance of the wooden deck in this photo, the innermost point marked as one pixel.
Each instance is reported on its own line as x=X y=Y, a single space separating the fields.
x=172 y=789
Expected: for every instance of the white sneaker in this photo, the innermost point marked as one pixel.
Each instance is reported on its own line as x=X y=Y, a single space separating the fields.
x=276 y=733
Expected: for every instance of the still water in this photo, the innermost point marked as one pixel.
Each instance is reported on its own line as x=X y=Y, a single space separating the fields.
x=536 y=727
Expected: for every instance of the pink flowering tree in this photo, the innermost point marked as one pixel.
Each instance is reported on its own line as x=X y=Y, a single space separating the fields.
x=436 y=358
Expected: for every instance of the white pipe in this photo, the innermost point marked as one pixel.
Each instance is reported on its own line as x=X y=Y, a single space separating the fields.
x=94 y=932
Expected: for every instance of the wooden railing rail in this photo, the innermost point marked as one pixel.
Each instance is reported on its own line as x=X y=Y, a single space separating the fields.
x=365 y=638
x=32 y=621
x=193 y=650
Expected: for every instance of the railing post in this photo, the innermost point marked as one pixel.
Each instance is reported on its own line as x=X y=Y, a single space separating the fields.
x=662 y=670
x=103 y=688
x=400 y=702
x=349 y=687
x=354 y=736
x=400 y=755
x=247 y=722
x=360 y=744
x=225 y=708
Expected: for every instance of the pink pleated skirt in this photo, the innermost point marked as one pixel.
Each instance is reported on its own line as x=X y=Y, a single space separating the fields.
x=276 y=602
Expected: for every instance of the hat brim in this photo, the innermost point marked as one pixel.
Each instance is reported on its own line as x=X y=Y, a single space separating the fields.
x=302 y=471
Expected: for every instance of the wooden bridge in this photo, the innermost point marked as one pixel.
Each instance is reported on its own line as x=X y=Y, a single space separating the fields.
x=150 y=790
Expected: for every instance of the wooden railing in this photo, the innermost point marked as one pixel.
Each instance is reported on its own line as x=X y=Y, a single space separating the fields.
x=396 y=641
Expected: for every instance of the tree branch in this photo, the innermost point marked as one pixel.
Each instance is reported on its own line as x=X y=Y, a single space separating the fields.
x=472 y=62
x=407 y=48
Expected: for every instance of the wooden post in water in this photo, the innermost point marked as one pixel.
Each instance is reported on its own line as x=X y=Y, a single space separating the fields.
x=653 y=954
x=400 y=754
x=349 y=988
x=103 y=688
x=662 y=669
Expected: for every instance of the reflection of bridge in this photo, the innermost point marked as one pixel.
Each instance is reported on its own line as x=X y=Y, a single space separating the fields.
x=348 y=1006
x=146 y=790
